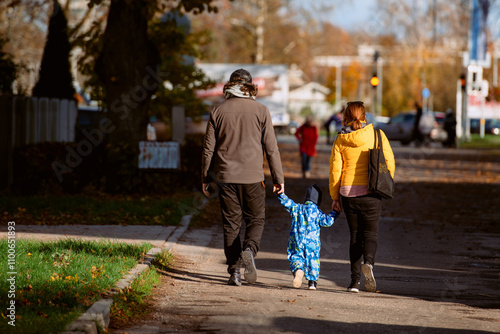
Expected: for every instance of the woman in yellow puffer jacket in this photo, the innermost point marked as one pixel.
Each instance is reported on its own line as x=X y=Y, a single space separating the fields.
x=349 y=190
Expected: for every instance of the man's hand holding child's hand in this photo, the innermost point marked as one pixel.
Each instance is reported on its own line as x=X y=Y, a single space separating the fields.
x=278 y=188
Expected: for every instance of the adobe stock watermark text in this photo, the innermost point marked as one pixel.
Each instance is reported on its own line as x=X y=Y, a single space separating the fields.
x=11 y=273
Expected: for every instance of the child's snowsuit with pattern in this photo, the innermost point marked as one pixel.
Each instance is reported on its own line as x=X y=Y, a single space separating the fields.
x=303 y=243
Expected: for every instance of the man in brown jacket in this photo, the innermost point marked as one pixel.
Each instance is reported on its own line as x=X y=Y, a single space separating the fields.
x=239 y=133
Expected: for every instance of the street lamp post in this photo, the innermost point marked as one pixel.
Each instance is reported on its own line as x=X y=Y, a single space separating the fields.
x=376 y=82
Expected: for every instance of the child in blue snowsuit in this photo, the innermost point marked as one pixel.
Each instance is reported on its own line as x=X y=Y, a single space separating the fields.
x=303 y=243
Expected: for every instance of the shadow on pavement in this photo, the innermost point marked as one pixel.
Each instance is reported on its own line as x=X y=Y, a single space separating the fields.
x=306 y=326
x=437 y=241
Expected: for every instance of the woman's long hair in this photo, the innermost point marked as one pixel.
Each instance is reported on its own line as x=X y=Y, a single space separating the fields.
x=354 y=115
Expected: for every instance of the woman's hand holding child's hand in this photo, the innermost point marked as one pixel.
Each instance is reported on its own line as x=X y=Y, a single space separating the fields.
x=336 y=206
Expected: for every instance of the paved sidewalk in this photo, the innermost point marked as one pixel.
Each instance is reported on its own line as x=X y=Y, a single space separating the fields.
x=418 y=293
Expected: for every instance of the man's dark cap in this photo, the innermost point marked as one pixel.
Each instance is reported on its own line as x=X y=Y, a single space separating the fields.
x=314 y=194
x=241 y=76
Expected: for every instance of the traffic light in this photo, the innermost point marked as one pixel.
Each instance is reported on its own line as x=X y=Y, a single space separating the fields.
x=374 y=81
x=463 y=82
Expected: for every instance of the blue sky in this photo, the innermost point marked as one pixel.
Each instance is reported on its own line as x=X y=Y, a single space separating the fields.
x=350 y=15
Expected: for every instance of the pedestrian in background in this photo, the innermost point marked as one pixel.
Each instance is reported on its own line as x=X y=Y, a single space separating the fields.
x=307 y=135
x=348 y=182
x=239 y=134
x=417 y=134
x=424 y=123
x=304 y=240
x=450 y=126
x=335 y=118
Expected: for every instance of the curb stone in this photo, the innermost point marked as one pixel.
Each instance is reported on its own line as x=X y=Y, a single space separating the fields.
x=97 y=317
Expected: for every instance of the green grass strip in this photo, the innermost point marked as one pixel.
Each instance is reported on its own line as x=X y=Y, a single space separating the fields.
x=131 y=303
x=57 y=281
x=489 y=141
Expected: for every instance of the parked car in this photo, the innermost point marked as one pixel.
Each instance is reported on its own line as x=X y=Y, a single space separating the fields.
x=491 y=126
x=494 y=127
x=370 y=119
x=400 y=127
x=88 y=119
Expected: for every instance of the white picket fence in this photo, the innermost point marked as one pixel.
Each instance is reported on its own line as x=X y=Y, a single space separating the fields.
x=29 y=120
x=159 y=155
x=37 y=120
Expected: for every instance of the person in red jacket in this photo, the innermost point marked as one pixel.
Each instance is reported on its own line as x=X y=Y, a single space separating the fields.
x=307 y=134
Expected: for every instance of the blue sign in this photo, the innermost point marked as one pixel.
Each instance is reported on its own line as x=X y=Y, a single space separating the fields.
x=426 y=93
x=477 y=35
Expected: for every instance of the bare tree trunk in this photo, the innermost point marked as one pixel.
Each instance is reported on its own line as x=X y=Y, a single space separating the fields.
x=127 y=68
x=259 y=31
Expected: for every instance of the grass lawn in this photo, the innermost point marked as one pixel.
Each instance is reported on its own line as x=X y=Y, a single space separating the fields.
x=130 y=303
x=57 y=281
x=489 y=141
x=98 y=209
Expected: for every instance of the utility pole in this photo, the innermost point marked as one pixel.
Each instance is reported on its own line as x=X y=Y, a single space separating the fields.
x=376 y=82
